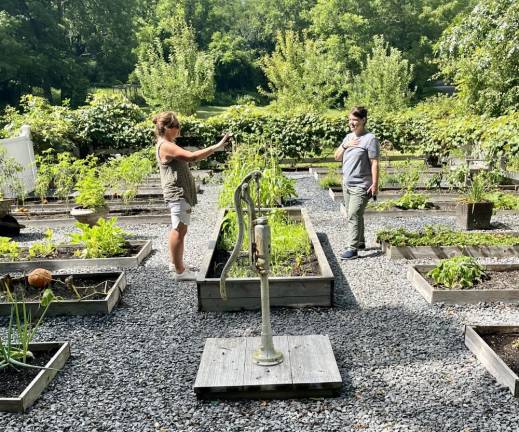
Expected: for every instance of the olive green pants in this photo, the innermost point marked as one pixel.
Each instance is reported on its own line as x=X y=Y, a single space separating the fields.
x=355 y=200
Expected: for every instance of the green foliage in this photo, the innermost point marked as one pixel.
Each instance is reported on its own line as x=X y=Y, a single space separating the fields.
x=90 y=189
x=173 y=74
x=290 y=243
x=10 y=169
x=331 y=179
x=479 y=53
x=275 y=187
x=45 y=248
x=51 y=126
x=124 y=174
x=384 y=80
x=9 y=249
x=457 y=272
x=409 y=200
x=110 y=122
x=103 y=240
x=476 y=190
x=443 y=236
x=503 y=200
x=302 y=74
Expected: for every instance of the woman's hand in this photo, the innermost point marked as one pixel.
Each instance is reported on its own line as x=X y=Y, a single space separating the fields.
x=223 y=141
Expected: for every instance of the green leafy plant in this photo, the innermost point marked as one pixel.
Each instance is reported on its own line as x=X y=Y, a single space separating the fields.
x=290 y=248
x=476 y=191
x=443 y=236
x=457 y=272
x=409 y=200
x=275 y=187
x=9 y=249
x=503 y=200
x=44 y=248
x=123 y=175
x=331 y=179
x=91 y=191
x=103 y=240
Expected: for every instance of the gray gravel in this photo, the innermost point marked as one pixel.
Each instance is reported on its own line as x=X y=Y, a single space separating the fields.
x=403 y=362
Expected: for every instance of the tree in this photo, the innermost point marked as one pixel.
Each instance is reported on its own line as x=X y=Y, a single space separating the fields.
x=64 y=44
x=302 y=74
x=412 y=26
x=173 y=74
x=383 y=83
x=480 y=54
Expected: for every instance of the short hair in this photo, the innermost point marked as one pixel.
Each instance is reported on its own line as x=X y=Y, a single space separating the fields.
x=359 y=112
x=165 y=120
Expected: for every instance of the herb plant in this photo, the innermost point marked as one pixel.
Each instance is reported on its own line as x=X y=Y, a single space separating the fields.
x=457 y=272
x=409 y=200
x=443 y=236
x=331 y=179
x=103 y=240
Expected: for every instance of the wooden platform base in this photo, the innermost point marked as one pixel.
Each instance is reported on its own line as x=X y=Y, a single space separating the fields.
x=227 y=372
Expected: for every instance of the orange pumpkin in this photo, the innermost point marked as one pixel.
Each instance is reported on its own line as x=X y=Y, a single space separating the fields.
x=39 y=278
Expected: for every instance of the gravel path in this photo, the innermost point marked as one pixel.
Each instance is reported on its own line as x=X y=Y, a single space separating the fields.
x=404 y=364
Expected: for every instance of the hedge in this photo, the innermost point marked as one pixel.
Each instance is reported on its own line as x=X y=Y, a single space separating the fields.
x=110 y=123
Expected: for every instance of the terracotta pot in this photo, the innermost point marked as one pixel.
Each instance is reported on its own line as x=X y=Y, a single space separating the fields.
x=474 y=216
x=89 y=216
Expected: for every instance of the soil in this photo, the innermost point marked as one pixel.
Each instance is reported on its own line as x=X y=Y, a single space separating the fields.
x=14 y=381
x=309 y=266
x=95 y=287
x=56 y=213
x=497 y=280
x=67 y=252
x=502 y=345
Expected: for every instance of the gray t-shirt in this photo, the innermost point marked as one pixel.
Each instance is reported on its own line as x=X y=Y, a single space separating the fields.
x=356 y=165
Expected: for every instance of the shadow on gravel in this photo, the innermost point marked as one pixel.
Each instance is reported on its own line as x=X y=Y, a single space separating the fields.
x=344 y=298
x=22 y=237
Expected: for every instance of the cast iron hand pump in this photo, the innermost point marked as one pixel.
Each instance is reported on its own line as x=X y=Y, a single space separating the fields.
x=259 y=260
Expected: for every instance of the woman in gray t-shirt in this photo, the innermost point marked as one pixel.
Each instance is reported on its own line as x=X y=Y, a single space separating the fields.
x=359 y=153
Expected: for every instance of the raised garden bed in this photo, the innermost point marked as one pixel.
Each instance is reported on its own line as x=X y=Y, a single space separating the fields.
x=502 y=286
x=137 y=251
x=20 y=388
x=421 y=248
x=494 y=348
x=99 y=293
x=244 y=293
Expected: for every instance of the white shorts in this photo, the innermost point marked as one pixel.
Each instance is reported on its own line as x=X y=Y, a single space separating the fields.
x=180 y=212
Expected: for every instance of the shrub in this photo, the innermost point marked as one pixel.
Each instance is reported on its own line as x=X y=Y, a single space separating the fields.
x=111 y=122
x=51 y=126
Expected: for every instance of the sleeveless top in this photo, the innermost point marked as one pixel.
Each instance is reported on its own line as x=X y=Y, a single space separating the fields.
x=176 y=180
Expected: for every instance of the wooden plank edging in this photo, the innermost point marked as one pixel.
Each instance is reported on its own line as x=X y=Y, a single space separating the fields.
x=492 y=362
x=40 y=382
